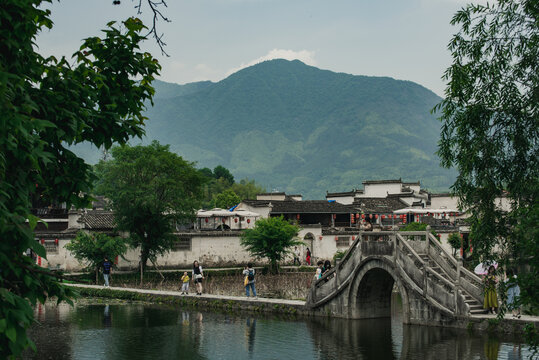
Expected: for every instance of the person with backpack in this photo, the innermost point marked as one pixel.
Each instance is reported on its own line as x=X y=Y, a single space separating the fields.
x=197 y=277
x=249 y=272
x=106 y=271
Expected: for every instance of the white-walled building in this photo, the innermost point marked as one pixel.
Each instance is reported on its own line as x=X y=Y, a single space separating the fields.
x=327 y=226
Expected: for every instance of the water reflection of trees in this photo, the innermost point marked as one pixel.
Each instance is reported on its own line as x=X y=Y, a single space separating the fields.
x=446 y=343
x=352 y=339
x=51 y=333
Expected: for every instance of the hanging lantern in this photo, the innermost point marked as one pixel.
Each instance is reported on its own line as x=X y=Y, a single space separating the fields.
x=248 y=221
x=56 y=241
x=363 y=216
x=320 y=237
x=383 y=216
x=352 y=219
x=376 y=216
x=42 y=241
x=353 y=238
x=357 y=216
x=236 y=220
x=336 y=238
x=206 y=219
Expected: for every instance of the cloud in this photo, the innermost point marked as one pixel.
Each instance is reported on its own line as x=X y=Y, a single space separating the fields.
x=305 y=56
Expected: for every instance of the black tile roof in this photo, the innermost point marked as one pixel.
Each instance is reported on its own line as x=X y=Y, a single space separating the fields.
x=345 y=193
x=310 y=206
x=379 y=205
x=98 y=219
x=304 y=206
x=368 y=182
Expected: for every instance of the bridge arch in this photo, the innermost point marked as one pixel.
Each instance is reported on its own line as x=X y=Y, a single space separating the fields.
x=369 y=295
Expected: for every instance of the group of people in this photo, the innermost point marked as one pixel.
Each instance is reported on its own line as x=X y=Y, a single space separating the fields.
x=323 y=267
x=491 y=298
x=197 y=274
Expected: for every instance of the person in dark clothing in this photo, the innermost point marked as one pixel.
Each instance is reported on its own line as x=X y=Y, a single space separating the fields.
x=107 y=266
x=198 y=275
x=327 y=266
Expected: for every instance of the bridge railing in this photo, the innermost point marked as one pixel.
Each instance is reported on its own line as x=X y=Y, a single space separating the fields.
x=462 y=277
x=414 y=268
x=437 y=289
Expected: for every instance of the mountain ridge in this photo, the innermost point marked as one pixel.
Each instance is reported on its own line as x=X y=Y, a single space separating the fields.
x=297 y=128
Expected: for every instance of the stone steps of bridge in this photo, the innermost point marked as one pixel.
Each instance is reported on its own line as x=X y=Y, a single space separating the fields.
x=475 y=306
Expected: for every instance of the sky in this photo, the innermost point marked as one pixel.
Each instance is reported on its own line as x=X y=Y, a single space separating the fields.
x=211 y=39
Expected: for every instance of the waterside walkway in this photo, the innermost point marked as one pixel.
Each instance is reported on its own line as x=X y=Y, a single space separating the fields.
x=223 y=301
x=479 y=321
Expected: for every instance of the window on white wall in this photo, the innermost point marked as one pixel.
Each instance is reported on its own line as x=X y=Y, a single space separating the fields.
x=182 y=243
x=51 y=246
x=343 y=241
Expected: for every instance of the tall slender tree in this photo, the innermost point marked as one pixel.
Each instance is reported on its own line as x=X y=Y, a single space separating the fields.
x=151 y=190
x=490 y=132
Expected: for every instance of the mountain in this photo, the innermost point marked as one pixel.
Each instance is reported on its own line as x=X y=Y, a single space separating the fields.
x=300 y=129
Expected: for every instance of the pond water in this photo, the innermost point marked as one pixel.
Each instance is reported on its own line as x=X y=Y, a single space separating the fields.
x=142 y=331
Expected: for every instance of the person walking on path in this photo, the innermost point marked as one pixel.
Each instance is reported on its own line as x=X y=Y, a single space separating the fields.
x=308 y=258
x=185 y=283
x=198 y=275
x=106 y=271
x=249 y=272
x=491 y=298
x=296 y=255
x=513 y=293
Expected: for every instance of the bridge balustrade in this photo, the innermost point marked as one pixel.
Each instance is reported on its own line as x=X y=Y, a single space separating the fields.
x=419 y=261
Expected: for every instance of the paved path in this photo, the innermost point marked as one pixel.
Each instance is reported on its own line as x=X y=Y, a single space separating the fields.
x=508 y=316
x=295 y=303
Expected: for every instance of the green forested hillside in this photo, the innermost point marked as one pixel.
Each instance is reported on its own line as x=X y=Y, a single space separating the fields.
x=299 y=129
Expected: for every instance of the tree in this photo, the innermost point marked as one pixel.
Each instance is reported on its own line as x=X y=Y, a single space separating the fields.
x=271 y=238
x=93 y=248
x=247 y=189
x=455 y=241
x=151 y=190
x=227 y=199
x=490 y=128
x=47 y=104
x=220 y=172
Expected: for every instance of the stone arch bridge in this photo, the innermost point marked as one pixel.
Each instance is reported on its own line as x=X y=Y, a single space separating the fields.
x=434 y=287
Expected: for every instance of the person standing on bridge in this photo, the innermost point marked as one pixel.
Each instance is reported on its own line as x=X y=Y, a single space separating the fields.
x=491 y=298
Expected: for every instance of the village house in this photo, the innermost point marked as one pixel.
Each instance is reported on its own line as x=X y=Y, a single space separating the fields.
x=327 y=226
